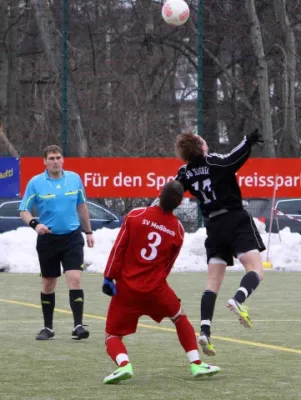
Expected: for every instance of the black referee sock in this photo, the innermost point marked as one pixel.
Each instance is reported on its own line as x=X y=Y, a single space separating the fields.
x=207 y=310
x=249 y=282
x=48 y=304
x=76 y=298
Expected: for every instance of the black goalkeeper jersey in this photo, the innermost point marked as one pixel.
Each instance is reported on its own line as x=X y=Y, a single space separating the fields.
x=212 y=179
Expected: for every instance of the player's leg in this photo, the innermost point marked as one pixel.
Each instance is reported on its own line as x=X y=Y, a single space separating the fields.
x=216 y=273
x=218 y=257
x=122 y=319
x=72 y=261
x=187 y=338
x=118 y=353
x=252 y=263
x=164 y=303
x=50 y=271
x=247 y=245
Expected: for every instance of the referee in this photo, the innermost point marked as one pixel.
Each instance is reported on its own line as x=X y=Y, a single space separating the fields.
x=60 y=200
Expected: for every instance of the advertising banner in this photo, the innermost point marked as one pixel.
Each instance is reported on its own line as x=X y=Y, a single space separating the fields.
x=112 y=177
x=143 y=177
x=9 y=177
x=258 y=177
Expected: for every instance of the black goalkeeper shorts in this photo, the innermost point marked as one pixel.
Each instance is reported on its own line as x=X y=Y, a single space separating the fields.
x=56 y=250
x=230 y=234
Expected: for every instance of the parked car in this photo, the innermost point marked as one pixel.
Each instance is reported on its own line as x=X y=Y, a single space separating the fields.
x=100 y=216
x=261 y=208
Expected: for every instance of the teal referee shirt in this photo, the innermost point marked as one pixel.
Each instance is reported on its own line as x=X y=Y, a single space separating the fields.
x=56 y=200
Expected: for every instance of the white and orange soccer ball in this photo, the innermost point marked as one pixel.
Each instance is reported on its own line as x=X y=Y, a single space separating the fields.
x=175 y=12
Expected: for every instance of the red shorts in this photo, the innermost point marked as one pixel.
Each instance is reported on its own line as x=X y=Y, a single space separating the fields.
x=128 y=306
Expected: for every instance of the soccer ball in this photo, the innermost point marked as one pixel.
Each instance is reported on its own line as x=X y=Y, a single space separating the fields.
x=175 y=12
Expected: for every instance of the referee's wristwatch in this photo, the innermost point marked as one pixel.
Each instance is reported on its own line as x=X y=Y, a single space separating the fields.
x=89 y=233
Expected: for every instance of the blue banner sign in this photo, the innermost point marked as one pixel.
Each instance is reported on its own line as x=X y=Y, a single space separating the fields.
x=9 y=177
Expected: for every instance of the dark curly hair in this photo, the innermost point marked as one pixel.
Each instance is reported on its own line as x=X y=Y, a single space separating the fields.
x=188 y=146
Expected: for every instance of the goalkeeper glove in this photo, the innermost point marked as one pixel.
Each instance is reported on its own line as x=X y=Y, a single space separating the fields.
x=254 y=137
x=108 y=287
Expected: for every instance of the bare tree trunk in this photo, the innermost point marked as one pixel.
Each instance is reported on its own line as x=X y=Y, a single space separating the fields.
x=146 y=12
x=282 y=92
x=290 y=142
x=263 y=80
x=11 y=149
x=12 y=80
x=51 y=40
x=210 y=130
x=3 y=59
x=7 y=74
x=106 y=89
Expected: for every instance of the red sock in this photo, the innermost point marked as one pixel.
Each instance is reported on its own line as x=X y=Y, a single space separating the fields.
x=187 y=339
x=117 y=351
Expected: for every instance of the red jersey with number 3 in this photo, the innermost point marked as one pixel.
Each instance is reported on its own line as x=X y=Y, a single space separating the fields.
x=145 y=249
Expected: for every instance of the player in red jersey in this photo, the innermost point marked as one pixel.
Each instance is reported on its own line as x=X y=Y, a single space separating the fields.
x=140 y=261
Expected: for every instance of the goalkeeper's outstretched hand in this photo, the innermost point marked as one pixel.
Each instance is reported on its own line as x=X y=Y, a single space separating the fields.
x=108 y=287
x=254 y=138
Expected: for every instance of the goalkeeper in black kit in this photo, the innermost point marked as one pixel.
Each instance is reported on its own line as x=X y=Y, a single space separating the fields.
x=231 y=231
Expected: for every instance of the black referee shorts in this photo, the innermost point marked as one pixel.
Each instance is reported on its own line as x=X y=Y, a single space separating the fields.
x=230 y=234
x=54 y=250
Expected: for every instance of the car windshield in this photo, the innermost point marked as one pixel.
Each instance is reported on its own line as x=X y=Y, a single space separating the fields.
x=256 y=207
x=289 y=206
x=97 y=212
x=10 y=209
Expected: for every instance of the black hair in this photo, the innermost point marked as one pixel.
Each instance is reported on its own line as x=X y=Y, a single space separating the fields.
x=171 y=196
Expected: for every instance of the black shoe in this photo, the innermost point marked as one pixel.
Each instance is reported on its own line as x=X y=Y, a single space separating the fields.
x=79 y=332
x=45 y=334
